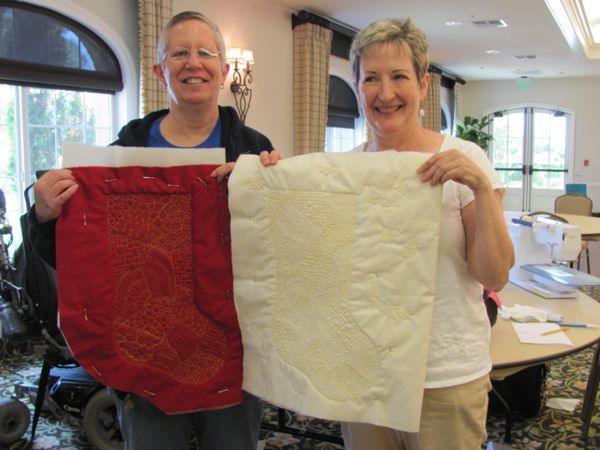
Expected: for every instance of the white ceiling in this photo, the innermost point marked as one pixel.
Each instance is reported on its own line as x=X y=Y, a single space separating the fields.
x=461 y=50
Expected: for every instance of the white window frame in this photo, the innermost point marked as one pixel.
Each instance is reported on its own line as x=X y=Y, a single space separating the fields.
x=569 y=140
x=126 y=105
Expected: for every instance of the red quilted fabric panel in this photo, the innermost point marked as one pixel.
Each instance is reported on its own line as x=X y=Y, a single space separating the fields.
x=145 y=284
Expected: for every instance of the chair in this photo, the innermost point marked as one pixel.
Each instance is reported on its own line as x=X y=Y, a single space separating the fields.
x=573 y=204
x=580 y=205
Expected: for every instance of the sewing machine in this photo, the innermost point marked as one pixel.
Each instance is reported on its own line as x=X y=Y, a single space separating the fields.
x=544 y=248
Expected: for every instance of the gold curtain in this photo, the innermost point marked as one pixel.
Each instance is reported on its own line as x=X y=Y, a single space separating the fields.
x=152 y=16
x=431 y=104
x=312 y=46
x=458 y=103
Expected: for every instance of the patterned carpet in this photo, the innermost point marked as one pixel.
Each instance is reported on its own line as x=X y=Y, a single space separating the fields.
x=552 y=429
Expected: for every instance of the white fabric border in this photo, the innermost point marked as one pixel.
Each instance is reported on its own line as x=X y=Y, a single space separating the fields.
x=86 y=155
x=390 y=294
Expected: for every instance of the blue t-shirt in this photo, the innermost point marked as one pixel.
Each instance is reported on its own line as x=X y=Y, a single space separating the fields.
x=155 y=139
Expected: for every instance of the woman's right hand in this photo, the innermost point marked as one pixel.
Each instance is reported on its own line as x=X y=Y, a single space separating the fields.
x=269 y=158
x=51 y=192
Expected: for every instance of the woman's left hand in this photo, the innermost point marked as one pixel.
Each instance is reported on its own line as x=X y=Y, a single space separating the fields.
x=456 y=166
x=270 y=158
x=222 y=172
x=266 y=159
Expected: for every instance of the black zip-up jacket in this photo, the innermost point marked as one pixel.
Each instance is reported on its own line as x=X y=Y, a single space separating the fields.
x=236 y=137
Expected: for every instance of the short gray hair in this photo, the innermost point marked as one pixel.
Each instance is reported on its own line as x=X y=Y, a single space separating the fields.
x=161 y=45
x=402 y=32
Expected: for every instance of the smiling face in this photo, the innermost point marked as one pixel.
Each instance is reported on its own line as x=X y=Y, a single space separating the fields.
x=193 y=80
x=389 y=91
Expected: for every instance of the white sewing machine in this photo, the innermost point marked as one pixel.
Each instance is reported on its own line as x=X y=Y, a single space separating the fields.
x=543 y=249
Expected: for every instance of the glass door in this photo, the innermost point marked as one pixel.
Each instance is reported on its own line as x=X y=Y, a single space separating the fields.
x=530 y=153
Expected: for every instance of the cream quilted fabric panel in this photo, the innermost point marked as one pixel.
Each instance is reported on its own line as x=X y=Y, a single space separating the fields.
x=334 y=260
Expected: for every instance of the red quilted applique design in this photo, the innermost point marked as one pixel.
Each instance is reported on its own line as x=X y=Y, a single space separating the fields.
x=145 y=284
x=152 y=266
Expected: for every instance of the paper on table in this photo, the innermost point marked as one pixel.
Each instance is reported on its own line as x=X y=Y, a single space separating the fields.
x=531 y=333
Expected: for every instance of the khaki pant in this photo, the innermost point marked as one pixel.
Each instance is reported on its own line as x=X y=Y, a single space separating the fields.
x=452 y=418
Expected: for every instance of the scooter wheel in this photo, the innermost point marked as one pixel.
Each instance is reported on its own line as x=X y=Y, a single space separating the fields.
x=100 y=422
x=14 y=420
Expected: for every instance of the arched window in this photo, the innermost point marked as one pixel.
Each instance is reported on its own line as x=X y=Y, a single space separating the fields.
x=58 y=82
x=39 y=47
x=345 y=127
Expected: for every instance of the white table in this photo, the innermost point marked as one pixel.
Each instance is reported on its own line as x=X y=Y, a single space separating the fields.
x=509 y=354
x=590 y=225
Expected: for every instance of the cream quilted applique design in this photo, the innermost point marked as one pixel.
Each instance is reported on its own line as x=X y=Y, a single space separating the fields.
x=400 y=186
x=394 y=313
x=390 y=236
x=312 y=291
x=326 y=169
x=256 y=183
x=410 y=247
x=382 y=198
x=334 y=270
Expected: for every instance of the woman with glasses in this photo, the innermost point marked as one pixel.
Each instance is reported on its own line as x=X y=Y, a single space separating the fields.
x=191 y=66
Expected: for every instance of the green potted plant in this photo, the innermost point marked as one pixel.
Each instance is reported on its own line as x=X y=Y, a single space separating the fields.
x=473 y=129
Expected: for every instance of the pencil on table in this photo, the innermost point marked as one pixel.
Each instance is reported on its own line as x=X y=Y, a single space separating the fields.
x=554 y=331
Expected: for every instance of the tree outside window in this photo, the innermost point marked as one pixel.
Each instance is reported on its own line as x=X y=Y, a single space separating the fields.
x=34 y=125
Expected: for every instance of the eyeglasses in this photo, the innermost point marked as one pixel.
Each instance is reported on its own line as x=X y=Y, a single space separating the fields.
x=183 y=54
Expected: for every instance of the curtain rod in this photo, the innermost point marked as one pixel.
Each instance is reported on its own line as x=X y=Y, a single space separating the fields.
x=446 y=73
x=336 y=26
x=306 y=16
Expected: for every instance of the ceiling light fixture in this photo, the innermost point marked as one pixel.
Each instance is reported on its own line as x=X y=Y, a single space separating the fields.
x=492 y=52
x=576 y=20
x=453 y=23
x=592 y=13
x=497 y=23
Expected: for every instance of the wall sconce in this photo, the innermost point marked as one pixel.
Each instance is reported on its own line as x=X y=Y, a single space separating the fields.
x=241 y=62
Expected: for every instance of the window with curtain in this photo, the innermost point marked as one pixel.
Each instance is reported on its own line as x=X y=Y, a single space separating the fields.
x=57 y=85
x=345 y=127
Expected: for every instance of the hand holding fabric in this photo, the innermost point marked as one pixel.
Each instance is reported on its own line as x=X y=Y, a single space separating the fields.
x=270 y=158
x=51 y=192
x=456 y=166
x=221 y=172
x=266 y=158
